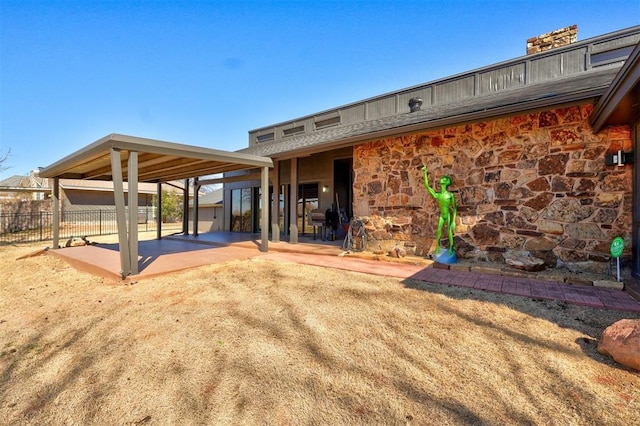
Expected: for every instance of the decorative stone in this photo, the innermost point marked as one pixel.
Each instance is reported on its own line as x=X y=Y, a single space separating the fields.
x=563 y=137
x=540 y=202
x=584 y=231
x=561 y=184
x=608 y=199
x=549 y=227
x=502 y=190
x=591 y=153
x=529 y=264
x=484 y=234
x=473 y=195
x=374 y=187
x=510 y=156
x=553 y=164
x=567 y=210
x=529 y=214
x=496 y=218
x=485 y=159
x=539 y=244
x=615 y=182
x=605 y=216
x=621 y=341
x=547 y=118
x=538 y=185
x=516 y=221
x=475 y=177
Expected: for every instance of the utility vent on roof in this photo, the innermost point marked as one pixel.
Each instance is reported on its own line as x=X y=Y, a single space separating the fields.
x=265 y=138
x=327 y=122
x=293 y=131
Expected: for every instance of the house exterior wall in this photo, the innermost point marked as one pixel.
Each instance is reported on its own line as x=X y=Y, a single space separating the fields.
x=77 y=200
x=316 y=168
x=210 y=219
x=534 y=183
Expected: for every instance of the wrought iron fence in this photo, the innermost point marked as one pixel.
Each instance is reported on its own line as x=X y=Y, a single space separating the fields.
x=33 y=227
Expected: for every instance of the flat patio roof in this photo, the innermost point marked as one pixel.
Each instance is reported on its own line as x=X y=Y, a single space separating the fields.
x=158 y=161
x=121 y=158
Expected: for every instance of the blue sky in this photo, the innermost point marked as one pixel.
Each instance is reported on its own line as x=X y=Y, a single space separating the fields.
x=206 y=72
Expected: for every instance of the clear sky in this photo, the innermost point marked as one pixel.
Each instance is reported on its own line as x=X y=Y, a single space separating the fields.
x=206 y=72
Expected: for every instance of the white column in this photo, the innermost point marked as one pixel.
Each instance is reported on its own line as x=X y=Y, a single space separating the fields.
x=121 y=215
x=132 y=177
x=275 y=203
x=196 y=206
x=159 y=212
x=56 y=212
x=293 y=203
x=265 y=210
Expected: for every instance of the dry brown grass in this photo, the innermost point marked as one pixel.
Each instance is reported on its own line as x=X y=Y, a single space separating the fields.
x=258 y=342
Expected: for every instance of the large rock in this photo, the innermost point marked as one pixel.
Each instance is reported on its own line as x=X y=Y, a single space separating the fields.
x=621 y=341
x=524 y=262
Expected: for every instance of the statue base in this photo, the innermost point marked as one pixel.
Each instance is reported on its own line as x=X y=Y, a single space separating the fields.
x=447 y=258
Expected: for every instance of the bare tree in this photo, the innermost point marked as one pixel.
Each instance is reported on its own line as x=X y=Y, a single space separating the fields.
x=3 y=159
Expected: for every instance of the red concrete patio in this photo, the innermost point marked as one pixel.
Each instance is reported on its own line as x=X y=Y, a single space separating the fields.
x=175 y=253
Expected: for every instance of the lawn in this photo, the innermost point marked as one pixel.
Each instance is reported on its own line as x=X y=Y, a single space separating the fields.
x=260 y=342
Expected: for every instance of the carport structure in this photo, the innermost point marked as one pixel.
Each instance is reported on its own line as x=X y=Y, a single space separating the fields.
x=121 y=158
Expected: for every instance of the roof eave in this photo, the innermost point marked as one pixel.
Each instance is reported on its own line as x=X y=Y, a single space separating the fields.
x=622 y=86
x=452 y=120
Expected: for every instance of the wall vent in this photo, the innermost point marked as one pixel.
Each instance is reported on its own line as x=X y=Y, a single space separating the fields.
x=267 y=137
x=293 y=131
x=327 y=122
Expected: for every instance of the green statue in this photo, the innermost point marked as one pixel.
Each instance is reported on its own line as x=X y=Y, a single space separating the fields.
x=448 y=209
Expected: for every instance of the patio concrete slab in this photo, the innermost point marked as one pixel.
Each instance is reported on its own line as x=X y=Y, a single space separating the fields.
x=158 y=257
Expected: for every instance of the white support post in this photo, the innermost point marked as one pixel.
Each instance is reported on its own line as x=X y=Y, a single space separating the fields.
x=196 y=206
x=132 y=177
x=56 y=212
x=159 y=212
x=121 y=214
x=275 y=203
x=293 y=203
x=265 y=210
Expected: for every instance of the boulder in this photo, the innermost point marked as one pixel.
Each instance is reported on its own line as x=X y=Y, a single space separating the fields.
x=621 y=341
x=529 y=264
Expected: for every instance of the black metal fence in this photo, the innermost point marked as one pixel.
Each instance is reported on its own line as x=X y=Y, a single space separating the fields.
x=33 y=227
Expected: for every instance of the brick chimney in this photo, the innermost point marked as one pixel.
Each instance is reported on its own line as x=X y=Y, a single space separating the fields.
x=557 y=38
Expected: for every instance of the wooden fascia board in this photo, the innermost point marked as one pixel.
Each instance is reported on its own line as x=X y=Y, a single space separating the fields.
x=64 y=167
x=622 y=85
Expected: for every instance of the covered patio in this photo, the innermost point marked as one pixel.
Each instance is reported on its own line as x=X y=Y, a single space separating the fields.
x=121 y=158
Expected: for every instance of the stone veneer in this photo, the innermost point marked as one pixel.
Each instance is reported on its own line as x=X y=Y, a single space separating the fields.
x=553 y=39
x=532 y=184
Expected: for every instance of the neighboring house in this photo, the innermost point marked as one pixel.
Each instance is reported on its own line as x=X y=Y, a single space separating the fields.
x=210 y=211
x=16 y=187
x=75 y=195
x=530 y=173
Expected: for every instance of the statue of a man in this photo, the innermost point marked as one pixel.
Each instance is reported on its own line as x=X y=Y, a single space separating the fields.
x=448 y=209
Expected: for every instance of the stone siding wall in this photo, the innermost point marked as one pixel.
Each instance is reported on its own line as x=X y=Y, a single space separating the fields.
x=533 y=184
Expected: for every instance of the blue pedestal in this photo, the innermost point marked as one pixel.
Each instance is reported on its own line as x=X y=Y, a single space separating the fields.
x=447 y=258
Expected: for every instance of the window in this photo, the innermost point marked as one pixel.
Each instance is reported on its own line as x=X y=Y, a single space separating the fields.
x=241 y=210
x=307 y=201
x=610 y=56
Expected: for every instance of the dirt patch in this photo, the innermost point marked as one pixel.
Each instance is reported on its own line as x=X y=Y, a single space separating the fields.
x=258 y=341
